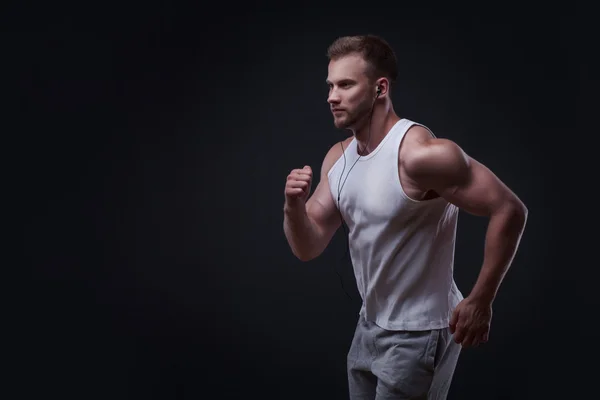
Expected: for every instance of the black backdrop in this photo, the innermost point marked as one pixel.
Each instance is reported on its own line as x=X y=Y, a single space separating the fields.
x=154 y=145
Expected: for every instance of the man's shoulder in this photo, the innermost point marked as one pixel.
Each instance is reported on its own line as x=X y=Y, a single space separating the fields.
x=416 y=137
x=424 y=155
x=420 y=144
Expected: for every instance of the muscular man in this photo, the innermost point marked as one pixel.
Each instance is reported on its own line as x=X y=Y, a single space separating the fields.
x=399 y=189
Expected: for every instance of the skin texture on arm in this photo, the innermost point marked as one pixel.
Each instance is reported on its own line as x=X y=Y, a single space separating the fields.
x=441 y=165
x=309 y=227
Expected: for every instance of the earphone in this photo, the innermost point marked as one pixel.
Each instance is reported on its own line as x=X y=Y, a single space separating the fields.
x=378 y=91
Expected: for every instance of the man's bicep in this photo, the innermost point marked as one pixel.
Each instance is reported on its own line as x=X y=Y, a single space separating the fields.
x=322 y=210
x=480 y=191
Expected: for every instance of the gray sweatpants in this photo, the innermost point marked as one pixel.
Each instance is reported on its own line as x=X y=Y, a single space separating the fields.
x=398 y=365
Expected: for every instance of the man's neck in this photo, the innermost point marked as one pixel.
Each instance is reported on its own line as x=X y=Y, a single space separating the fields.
x=381 y=123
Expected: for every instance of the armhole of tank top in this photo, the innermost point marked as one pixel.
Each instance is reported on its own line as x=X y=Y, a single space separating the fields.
x=339 y=160
x=399 y=182
x=333 y=186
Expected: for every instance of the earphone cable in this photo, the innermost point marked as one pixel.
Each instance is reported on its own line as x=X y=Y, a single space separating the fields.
x=346 y=234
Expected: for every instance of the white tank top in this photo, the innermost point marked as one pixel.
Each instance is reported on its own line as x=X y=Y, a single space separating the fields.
x=402 y=250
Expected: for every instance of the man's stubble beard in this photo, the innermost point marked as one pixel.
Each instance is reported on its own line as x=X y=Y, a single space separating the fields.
x=359 y=116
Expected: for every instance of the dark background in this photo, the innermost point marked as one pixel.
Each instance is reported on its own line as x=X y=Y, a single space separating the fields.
x=151 y=149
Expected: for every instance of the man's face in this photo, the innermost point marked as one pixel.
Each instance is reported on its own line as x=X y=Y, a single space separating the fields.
x=350 y=92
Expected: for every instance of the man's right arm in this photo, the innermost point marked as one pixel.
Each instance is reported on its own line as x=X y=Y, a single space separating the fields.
x=309 y=226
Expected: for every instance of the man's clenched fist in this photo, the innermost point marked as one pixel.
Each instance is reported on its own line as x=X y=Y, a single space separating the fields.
x=298 y=184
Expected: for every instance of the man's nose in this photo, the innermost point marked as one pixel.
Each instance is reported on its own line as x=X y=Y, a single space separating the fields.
x=333 y=98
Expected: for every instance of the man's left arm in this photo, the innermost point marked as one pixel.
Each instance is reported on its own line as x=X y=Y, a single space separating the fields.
x=441 y=165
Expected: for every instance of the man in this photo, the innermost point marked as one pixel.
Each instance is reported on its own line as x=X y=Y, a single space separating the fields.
x=399 y=188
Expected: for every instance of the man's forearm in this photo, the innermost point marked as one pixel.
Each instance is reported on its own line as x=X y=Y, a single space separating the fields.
x=300 y=232
x=504 y=233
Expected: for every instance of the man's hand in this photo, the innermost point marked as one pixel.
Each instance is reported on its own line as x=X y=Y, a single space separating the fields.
x=298 y=185
x=470 y=322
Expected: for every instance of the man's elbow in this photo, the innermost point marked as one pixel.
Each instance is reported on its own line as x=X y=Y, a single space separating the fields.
x=517 y=212
x=306 y=257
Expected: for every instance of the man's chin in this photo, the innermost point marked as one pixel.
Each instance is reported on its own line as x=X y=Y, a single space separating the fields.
x=342 y=124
